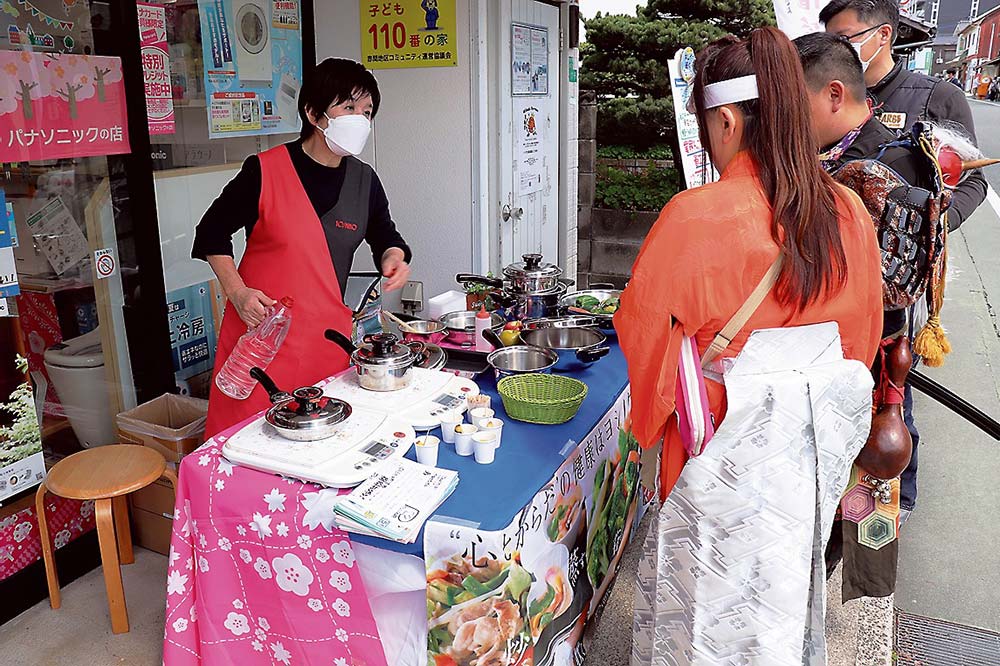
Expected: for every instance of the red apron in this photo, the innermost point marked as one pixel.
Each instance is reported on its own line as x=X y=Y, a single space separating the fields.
x=287 y=255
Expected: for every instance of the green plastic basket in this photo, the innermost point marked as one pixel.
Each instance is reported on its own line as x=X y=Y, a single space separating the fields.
x=544 y=399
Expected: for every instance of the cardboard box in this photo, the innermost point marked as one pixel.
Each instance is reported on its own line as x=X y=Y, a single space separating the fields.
x=152 y=516
x=172 y=424
x=151 y=530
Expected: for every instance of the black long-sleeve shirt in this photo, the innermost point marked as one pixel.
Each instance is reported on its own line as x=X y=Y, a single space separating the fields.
x=237 y=208
x=920 y=97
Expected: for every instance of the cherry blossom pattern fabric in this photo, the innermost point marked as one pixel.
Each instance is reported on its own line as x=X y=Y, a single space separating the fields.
x=20 y=545
x=259 y=574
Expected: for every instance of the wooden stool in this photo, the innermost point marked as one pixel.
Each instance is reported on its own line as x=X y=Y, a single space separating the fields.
x=105 y=474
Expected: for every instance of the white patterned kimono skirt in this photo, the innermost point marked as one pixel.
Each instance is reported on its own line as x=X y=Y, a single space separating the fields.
x=733 y=570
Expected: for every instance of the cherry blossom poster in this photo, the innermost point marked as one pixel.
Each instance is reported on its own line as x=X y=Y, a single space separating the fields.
x=60 y=105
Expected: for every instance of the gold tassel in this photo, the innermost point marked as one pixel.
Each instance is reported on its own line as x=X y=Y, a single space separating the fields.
x=931 y=342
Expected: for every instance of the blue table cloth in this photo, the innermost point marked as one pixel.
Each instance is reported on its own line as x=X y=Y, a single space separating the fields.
x=491 y=495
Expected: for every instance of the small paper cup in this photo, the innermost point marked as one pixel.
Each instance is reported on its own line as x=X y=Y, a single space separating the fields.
x=427 y=450
x=481 y=400
x=495 y=426
x=480 y=414
x=463 y=439
x=485 y=445
x=448 y=422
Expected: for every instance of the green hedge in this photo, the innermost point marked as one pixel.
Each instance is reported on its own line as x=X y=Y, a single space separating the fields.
x=660 y=152
x=648 y=190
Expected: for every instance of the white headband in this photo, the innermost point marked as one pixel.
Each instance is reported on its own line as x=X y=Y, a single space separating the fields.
x=730 y=91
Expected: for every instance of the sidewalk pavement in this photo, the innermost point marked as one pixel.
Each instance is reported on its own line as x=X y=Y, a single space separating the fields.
x=948 y=564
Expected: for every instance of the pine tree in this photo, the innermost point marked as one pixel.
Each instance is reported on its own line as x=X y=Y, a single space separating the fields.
x=21 y=438
x=625 y=61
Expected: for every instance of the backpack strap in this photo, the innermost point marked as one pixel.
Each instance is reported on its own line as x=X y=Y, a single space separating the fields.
x=742 y=316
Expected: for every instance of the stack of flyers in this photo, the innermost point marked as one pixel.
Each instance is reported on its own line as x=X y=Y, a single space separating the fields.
x=396 y=500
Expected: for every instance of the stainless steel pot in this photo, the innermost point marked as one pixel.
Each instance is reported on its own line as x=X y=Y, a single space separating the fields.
x=529 y=289
x=521 y=359
x=562 y=321
x=305 y=414
x=461 y=326
x=532 y=306
x=383 y=363
x=576 y=347
x=532 y=276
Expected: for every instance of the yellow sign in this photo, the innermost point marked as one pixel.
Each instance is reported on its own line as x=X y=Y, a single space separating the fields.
x=408 y=33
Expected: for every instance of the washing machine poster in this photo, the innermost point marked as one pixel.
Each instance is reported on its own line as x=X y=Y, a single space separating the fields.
x=192 y=330
x=408 y=33
x=253 y=66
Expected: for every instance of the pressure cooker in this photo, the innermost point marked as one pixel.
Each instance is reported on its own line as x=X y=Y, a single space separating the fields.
x=383 y=363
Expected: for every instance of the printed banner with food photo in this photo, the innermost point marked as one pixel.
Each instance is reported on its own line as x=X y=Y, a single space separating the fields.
x=522 y=596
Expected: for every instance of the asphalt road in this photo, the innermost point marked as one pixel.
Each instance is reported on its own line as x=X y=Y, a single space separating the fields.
x=949 y=565
x=987 y=116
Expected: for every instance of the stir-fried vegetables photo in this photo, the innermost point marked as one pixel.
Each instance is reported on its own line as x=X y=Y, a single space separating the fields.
x=490 y=613
x=615 y=486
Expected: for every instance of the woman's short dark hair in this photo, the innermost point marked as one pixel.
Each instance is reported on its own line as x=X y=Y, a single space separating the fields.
x=333 y=81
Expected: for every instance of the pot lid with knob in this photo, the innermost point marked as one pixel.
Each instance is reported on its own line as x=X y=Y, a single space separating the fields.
x=532 y=267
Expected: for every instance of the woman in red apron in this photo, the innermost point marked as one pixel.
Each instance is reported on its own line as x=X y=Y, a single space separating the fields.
x=306 y=207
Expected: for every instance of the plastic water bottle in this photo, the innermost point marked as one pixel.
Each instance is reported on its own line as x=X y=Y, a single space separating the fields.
x=257 y=347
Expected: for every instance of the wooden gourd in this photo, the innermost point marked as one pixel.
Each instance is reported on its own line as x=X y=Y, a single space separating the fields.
x=889 y=447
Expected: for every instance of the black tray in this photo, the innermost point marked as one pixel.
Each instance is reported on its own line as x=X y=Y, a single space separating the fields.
x=466 y=360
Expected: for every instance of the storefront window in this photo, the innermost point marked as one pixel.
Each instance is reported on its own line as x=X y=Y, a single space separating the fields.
x=68 y=247
x=231 y=99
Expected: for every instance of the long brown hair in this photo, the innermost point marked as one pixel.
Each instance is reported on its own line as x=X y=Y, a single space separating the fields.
x=779 y=136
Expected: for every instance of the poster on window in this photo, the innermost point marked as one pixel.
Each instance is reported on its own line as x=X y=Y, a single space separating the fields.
x=21 y=462
x=529 y=52
x=156 y=68
x=408 y=33
x=192 y=331
x=56 y=105
x=252 y=51
x=530 y=161
x=49 y=26
x=546 y=573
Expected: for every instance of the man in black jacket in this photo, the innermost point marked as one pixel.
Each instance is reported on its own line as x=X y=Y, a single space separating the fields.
x=848 y=130
x=901 y=98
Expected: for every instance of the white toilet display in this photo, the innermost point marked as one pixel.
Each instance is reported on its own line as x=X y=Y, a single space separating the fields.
x=76 y=368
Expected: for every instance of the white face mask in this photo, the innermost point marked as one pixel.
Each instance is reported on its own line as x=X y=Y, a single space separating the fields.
x=859 y=45
x=347 y=135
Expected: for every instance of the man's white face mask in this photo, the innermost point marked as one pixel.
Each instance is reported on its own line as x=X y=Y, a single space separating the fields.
x=860 y=45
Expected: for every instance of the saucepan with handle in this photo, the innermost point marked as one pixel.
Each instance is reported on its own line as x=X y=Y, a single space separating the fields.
x=305 y=414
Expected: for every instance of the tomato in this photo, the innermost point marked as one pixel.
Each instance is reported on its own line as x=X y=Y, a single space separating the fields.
x=444 y=660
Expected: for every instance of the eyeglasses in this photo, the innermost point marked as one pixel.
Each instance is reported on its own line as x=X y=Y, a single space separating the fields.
x=863 y=32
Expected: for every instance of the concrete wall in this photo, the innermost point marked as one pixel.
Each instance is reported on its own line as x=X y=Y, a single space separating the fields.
x=421 y=148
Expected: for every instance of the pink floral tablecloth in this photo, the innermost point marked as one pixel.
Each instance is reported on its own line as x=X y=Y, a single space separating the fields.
x=258 y=574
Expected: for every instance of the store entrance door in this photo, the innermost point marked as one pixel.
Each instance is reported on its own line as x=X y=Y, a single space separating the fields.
x=529 y=136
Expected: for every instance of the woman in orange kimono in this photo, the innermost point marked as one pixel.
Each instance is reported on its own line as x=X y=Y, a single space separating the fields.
x=711 y=245
x=730 y=573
